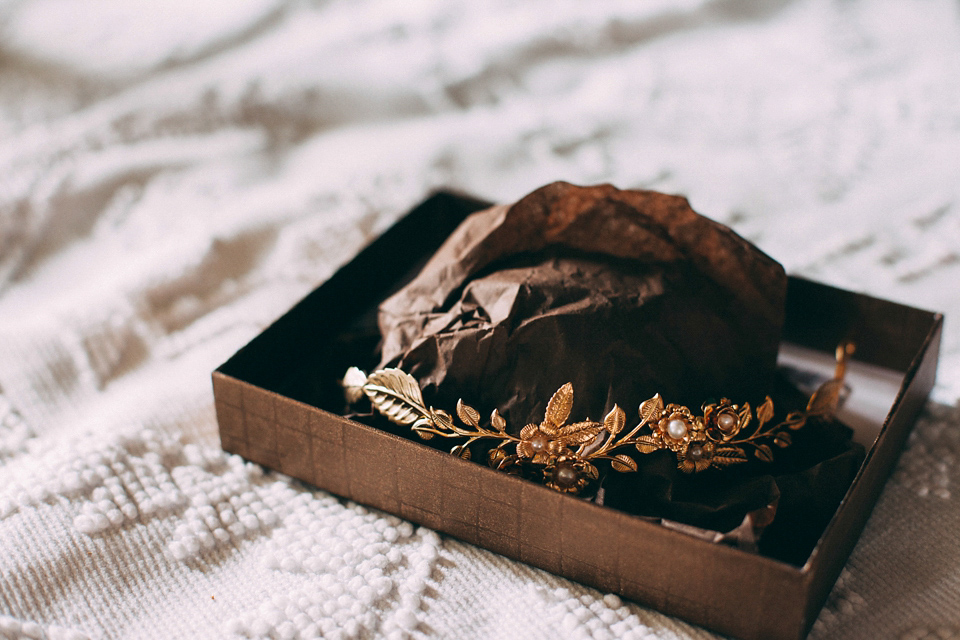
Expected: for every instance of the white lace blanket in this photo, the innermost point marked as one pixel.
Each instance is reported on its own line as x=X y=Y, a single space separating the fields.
x=176 y=174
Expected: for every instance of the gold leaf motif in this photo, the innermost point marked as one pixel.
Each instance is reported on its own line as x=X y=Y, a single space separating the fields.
x=783 y=439
x=495 y=457
x=576 y=427
x=731 y=453
x=591 y=471
x=498 y=422
x=420 y=425
x=461 y=450
x=623 y=463
x=580 y=432
x=795 y=420
x=728 y=455
x=506 y=462
x=398 y=382
x=396 y=395
x=826 y=398
x=651 y=409
x=745 y=417
x=765 y=412
x=468 y=414
x=441 y=419
x=764 y=452
x=615 y=420
x=646 y=444
x=725 y=462
x=558 y=409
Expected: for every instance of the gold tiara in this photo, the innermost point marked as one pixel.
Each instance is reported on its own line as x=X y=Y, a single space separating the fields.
x=565 y=455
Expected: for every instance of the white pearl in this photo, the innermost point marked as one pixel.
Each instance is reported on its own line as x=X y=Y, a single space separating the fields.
x=725 y=421
x=676 y=429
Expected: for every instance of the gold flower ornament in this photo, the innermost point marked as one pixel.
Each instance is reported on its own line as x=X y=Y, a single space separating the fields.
x=566 y=456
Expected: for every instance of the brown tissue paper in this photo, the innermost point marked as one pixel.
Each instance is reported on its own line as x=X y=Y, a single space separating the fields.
x=625 y=294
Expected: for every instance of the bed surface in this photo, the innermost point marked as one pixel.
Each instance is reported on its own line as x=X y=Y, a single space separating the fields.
x=173 y=179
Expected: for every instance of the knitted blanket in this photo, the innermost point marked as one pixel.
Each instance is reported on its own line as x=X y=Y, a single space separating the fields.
x=174 y=175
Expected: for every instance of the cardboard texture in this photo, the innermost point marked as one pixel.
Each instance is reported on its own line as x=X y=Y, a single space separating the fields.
x=278 y=404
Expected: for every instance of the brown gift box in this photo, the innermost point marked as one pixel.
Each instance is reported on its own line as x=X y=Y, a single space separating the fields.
x=278 y=403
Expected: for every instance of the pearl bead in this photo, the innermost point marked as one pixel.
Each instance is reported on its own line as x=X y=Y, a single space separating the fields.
x=695 y=452
x=565 y=475
x=676 y=429
x=726 y=421
x=538 y=443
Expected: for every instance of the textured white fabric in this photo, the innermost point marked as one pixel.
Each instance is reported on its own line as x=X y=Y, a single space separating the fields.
x=174 y=175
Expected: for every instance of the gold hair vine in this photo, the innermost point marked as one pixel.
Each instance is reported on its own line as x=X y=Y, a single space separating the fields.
x=565 y=455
